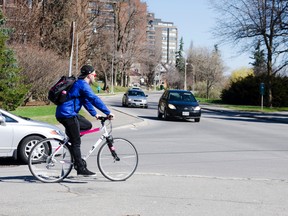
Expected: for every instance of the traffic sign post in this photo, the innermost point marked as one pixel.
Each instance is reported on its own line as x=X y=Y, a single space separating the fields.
x=262 y=91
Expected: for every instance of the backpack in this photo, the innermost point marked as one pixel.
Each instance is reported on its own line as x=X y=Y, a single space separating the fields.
x=58 y=92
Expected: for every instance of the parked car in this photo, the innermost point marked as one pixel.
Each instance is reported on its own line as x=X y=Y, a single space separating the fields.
x=20 y=134
x=135 y=98
x=179 y=104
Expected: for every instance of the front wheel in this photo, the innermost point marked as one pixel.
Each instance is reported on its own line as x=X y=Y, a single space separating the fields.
x=50 y=161
x=119 y=161
x=159 y=115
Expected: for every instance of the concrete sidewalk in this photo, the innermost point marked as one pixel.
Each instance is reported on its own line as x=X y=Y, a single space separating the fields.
x=121 y=120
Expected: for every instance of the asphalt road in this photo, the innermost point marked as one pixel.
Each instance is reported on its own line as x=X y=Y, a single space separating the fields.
x=227 y=164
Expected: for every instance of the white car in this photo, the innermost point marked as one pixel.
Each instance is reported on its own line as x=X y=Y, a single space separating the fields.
x=18 y=135
x=135 y=98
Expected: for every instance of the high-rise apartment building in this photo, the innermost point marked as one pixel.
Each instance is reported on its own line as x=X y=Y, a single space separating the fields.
x=164 y=36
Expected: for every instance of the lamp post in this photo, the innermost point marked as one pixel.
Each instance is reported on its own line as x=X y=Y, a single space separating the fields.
x=193 y=77
x=114 y=5
x=71 y=47
x=185 y=75
x=112 y=72
x=185 y=70
x=94 y=30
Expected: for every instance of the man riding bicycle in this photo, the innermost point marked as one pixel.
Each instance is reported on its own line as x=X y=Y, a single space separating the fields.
x=81 y=94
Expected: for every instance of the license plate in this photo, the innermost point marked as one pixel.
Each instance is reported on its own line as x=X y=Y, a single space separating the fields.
x=185 y=113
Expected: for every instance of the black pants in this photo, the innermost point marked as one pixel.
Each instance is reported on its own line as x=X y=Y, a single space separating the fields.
x=73 y=126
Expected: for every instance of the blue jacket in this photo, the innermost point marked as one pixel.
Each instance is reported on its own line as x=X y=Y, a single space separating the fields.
x=80 y=95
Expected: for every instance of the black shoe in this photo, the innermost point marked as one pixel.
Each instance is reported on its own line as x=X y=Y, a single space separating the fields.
x=85 y=172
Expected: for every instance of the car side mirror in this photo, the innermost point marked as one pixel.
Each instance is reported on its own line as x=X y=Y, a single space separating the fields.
x=2 y=120
x=146 y=95
x=125 y=94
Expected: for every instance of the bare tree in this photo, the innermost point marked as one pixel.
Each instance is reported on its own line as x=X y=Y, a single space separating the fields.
x=250 y=21
x=207 y=67
x=150 y=58
x=173 y=78
x=45 y=69
x=130 y=35
x=119 y=42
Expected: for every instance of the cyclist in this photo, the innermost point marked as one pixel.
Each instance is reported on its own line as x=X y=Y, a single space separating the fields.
x=67 y=113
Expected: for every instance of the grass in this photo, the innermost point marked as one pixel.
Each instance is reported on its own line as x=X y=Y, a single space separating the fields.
x=42 y=113
x=218 y=102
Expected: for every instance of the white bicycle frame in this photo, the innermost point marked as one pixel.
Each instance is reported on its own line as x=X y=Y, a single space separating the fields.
x=104 y=135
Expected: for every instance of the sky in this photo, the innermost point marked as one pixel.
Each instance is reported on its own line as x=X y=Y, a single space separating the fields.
x=195 y=20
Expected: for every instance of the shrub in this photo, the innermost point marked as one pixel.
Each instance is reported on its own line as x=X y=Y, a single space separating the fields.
x=246 y=91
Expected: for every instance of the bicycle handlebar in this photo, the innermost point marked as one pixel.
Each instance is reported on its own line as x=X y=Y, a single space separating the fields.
x=105 y=118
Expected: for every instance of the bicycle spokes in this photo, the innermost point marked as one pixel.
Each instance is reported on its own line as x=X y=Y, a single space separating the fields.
x=122 y=164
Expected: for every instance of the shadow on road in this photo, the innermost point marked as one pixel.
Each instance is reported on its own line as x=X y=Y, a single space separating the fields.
x=9 y=161
x=24 y=178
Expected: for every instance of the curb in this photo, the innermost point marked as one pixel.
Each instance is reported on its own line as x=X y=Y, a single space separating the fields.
x=139 y=121
x=273 y=117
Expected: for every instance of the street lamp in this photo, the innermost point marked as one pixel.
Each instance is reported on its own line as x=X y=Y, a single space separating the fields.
x=193 y=77
x=112 y=71
x=185 y=75
x=94 y=30
x=114 y=5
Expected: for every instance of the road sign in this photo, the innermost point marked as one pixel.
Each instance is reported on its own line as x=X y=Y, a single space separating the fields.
x=262 y=88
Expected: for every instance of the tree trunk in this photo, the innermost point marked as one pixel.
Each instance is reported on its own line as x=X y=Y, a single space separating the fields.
x=269 y=78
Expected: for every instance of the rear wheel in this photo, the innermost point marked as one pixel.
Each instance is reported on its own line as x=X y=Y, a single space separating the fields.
x=119 y=161
x=49 y=165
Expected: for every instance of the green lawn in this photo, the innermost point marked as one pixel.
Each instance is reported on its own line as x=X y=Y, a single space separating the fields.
x=42 y=113
x=217 y=102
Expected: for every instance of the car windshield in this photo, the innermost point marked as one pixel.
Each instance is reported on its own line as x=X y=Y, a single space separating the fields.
x=136 y=93
x=182 y=96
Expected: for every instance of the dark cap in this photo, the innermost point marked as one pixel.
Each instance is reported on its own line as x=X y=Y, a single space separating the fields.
x=85 y=70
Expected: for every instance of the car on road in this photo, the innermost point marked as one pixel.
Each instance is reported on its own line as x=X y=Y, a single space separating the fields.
x=135 y=98
x=179 y=104
x=20 y=134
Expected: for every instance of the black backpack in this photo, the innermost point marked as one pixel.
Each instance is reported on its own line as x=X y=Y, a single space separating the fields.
x=58 y=92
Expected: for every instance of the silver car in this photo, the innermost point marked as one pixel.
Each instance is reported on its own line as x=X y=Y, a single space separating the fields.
x=135 y=98
x=19 y=135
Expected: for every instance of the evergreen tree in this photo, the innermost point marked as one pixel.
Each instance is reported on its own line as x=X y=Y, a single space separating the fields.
x=180 y=60
x=259 y=64
x=12 y=91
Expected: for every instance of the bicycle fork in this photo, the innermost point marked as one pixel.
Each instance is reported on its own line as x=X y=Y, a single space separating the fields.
x=110 y=141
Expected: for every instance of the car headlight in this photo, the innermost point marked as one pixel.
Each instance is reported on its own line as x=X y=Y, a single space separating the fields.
x=171 y=106
x=57 y=132
x=129 y=99
x=144 y=101
x=197 y=108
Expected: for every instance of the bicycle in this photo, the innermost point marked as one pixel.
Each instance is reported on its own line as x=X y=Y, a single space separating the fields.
x=117 y=158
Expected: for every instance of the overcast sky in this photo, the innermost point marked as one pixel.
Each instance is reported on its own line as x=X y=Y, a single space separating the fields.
x=195 y=20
